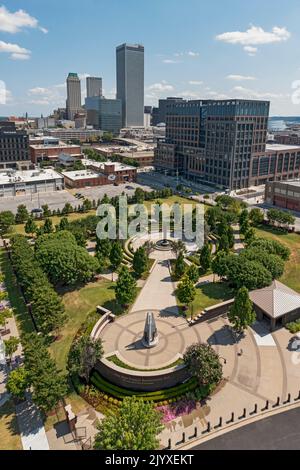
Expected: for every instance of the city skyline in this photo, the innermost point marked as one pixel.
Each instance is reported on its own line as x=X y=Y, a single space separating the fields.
x=254 y=51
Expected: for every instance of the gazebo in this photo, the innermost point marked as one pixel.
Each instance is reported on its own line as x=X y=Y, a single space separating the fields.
x=277 y=303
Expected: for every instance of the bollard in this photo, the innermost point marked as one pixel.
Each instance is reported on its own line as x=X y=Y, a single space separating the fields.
x=169 y=444
x=196 y=432
x=255 y=410
x=277 y=403
x=244 y=414
x=183 y=437
x=298 y=397
x=266 y=407
x=288 y=399
x=208 y=427
x=231 y=419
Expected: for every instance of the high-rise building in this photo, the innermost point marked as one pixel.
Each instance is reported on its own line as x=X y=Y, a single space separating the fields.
x=104 y=114
x=215 y=142
x=73 y=95
x=93 y=87
x=130 y=83
x=159 y=114
x=14 y=147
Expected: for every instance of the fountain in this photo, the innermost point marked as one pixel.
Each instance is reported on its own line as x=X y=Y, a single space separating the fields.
x=164 y=244
x=150 y=338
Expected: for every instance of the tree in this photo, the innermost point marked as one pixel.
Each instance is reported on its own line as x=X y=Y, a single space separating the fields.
x=22 y=214
x=67 y=209
x=126 y=287
x=48 y=226
x=46 y=210
x=135 y=427
x=18 y=382
x=4 y=315
x=103 y=246
x=63 y=260
x=116 y=256
x=224 y=243
x=241 y=313
x=11 y=346
x=178 y=247
x=205 y=257
x=87 y=205
x=204 y=364
x=186 y=291
x=63 y=224
x=250 y=235
x=7 y=219
x=256 y=216
x=139 y=196
x=244 y=221
x=83 y=355
x=30 y=226
x=193 y=273
x=149 y=247
x=47 y=309
x=180 y=266
x=48 y=384
x=140 y=261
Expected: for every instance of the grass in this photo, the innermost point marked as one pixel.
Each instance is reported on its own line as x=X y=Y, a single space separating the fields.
x=20 y=228
x=291 y=276
x=78 y=305
x=174 y=199
x=208 y=295
x=21 y=314
x=120 y=363
x=9 y=432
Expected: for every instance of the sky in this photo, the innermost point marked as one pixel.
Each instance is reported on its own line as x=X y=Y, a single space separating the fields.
x=195 y=49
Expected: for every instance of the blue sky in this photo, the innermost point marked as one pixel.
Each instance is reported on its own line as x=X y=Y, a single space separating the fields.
x=193 y=48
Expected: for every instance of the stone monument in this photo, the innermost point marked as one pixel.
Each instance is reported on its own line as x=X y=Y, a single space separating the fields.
x=150 y=338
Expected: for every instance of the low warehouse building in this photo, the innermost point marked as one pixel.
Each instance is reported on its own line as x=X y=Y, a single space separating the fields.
x=285 y=194
x=14 y=183
x=100 y=174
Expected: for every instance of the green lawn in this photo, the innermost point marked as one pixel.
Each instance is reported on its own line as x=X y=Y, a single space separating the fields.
x=78 y=304
x=22 y=316
x=20 y=229
x=9 y=432
x=208 y=295
x=291 y=276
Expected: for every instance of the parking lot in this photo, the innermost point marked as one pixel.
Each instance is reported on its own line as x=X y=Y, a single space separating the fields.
x=57 y=199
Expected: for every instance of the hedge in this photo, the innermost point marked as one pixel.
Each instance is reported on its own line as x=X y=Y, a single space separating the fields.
x=159 y=395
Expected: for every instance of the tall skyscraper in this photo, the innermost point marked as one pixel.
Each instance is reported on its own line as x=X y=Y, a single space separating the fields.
x=130 y=83
x=73 y=95
x=14 y=147
x=93 y=87
x=219 y=142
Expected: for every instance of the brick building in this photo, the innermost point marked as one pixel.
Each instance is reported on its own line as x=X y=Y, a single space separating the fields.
x=50 y=152
x=284 y=194
x=99 y=174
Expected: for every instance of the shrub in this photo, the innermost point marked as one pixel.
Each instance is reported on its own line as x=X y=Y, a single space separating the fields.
x=293 y=327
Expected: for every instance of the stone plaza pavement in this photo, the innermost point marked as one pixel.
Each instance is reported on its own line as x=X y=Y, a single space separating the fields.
x=258 y=367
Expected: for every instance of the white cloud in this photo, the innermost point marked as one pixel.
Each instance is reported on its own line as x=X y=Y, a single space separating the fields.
x=255 y=36
x=195 y=82
x=193 y=54
x=251 y=50
x=161 y=87
x=44 y=102
x=171 y=61
x=18 y=21
x=248 y=93
x=17 y=56
x=17 y=52
x=240 y=78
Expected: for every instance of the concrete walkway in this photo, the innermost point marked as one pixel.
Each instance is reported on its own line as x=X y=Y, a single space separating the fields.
x=32 y=431
x=238 y=244
x=158 y=291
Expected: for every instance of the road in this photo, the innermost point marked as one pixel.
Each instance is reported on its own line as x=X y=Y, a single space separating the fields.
x=279 y=432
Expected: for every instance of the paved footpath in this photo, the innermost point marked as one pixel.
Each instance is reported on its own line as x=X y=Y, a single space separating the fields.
x=158 y=291
x=30 y=424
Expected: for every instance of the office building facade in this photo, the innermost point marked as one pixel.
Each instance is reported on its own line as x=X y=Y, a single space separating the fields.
x=159 y=115
x=14 y=147
x=93 y=87
x=214 y=142
x=104 y=114
x=130 y=83
x=73 y=95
